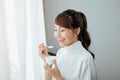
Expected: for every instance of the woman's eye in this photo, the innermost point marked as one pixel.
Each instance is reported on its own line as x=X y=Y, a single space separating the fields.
x=62 y=30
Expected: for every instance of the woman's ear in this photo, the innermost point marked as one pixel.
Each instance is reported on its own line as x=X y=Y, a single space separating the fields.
x=78 y=31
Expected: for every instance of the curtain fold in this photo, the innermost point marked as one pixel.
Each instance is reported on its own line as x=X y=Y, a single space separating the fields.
x=25 y=29
x=29 y=51
x=11 y=34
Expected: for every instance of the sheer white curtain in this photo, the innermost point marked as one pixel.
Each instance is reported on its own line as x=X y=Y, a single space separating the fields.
x=24 y=30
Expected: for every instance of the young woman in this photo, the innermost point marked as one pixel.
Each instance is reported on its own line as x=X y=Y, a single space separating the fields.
x=74 y=61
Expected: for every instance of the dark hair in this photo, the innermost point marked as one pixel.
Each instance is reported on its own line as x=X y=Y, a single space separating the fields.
x=72 y=19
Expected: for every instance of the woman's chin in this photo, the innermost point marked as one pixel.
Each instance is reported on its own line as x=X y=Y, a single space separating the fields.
x=61 y=45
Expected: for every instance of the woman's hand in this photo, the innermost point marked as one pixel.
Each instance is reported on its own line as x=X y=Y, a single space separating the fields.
x=43 y=51
x=53 y=70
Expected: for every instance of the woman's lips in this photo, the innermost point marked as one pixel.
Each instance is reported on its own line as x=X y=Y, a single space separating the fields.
x=61 y=41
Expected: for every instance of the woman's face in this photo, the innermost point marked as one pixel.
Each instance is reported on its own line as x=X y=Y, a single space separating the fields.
x=64 y=36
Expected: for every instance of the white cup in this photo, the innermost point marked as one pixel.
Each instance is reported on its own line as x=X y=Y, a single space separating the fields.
x=49 y=59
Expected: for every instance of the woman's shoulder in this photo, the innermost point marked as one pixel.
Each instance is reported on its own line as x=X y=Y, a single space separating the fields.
x=87 y=58
x=59 y=51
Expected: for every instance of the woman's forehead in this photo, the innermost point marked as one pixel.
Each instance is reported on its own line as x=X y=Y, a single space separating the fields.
x=58 y=26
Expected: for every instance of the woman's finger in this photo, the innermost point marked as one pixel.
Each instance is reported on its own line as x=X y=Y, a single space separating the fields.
x=48 y=68
x=42 y=50
x=55 y=64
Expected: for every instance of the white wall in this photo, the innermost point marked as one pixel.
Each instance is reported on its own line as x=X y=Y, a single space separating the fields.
x=104 y=25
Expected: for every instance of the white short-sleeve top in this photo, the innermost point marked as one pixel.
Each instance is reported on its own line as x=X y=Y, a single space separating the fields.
x=76 y=63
